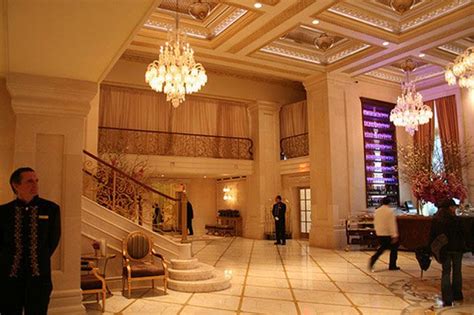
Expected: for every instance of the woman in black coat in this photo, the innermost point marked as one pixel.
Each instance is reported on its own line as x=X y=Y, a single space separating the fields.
x=446 y=222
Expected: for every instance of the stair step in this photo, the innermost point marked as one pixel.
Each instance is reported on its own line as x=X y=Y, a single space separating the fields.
x=210 y=285
x=183 y=264
x=202 y=272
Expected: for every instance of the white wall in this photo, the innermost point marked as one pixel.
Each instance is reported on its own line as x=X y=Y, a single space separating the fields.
x=7 y=141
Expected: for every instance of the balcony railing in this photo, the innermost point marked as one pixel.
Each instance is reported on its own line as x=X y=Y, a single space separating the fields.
x=294 y=146
x=145 y=142
x=119 y=192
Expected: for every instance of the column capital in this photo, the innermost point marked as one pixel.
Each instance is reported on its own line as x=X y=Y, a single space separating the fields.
x=33 y=94
x=316 y=81
x=264 y=105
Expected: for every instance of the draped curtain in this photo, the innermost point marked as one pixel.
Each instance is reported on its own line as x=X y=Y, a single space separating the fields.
x=129 y=108
x=447 y=120
x=293 y=119
x=424 y=136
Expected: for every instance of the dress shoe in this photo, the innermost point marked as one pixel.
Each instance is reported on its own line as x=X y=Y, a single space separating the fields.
x=277 y=243
x=284 y=243
x=394 y=268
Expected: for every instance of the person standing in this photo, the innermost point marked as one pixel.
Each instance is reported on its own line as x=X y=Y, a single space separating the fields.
x=446 y=222
x=278 y=212
x=189 y=217
x=30 y=229
x=157 y=218
x=385 y=224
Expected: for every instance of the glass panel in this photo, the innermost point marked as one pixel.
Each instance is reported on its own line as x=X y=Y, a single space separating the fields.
x=308 y=204
x=308 y=227
x=308 y=216
x=303 y=216
x=308 y=193
x=302 y=205
x=303 y=227
x=301 y=193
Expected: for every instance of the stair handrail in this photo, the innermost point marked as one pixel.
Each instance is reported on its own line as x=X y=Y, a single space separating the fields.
x=296 y=149
x=98 y=159
x=182 y=200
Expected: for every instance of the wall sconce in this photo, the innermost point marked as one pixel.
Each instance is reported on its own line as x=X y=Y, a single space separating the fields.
x=227 y=195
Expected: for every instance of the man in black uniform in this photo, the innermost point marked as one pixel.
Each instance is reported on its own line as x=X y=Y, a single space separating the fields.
x=30 y=228
x=189 y=217
x=278 y=212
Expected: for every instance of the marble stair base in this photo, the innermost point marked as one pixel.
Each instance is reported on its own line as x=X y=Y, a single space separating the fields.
x=190 y=275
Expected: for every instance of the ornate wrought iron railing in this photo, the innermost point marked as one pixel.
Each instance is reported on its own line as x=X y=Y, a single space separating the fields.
x=294 y=146
x=145 y=142
x=119 y=192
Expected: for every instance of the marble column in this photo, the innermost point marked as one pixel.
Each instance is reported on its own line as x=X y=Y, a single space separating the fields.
x=264 y=183
x=467 y=104
x=329 y=171
x=49 y=137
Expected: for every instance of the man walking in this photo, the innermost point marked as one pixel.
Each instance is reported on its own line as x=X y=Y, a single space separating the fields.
x=387 y=234
x=30 y=229
x=278 y=212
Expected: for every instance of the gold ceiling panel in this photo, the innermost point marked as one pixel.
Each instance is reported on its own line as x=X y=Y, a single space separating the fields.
x=278 y=40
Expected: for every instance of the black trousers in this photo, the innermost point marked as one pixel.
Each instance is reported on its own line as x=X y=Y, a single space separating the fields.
x=189 y=224
x=386 y=244
x=280 y=234
x=28 y=295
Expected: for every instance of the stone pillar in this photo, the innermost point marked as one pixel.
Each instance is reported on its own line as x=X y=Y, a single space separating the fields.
x=91 y=132
x=50 y=121
x=467 y=104
x=328 y=154
x=264 y=183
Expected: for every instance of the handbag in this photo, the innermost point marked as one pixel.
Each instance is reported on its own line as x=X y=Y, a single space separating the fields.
x=437 y=246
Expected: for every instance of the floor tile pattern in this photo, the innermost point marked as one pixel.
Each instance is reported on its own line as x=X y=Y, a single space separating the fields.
x=299 y=279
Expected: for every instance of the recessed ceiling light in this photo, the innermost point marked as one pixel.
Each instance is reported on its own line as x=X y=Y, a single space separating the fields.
x=162 y=175
x=258 y=5
x=205 y=176
x=385 y=43
x=421 y=55
x=315 y=22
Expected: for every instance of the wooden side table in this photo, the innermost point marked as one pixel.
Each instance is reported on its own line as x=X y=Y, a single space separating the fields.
x=101 y=262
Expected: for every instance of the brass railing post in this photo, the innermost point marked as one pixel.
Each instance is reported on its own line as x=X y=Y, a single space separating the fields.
x=184 y=217
x=114 y=189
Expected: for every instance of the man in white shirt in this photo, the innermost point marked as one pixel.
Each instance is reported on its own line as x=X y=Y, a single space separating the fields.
x=387 y=233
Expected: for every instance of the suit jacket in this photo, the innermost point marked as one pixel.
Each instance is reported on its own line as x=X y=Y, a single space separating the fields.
x=29 y=234
x=279 y=210
x=189 y=209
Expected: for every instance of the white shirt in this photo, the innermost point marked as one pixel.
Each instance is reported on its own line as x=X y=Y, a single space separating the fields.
x=385 y=222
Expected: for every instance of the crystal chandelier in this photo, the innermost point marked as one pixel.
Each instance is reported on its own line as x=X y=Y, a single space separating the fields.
x=410 y=111
x=175 y=72
x=462 y=70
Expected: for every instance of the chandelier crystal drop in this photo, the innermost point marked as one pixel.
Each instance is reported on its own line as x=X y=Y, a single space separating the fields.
x=462 y=70
x=176 y=73
x=410 y=112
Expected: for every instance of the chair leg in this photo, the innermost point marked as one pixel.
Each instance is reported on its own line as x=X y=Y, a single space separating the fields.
x=97 y=297
x=104 y=293
x=129 y=288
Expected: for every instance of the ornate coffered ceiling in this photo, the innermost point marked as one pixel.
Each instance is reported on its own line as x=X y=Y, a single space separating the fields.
x=364 y=37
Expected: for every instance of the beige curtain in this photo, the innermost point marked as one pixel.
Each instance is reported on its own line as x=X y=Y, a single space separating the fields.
x=293 y=119
x=130 y=108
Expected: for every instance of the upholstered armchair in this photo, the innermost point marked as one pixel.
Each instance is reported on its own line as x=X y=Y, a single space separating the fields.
x=141 y=262
x=92 y=281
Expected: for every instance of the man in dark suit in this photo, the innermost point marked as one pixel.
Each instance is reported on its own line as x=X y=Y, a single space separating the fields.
x=278 y=212
x=189 y=217
x=30 y=228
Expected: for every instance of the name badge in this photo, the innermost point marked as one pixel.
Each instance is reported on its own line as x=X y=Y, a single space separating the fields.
x=43 y=217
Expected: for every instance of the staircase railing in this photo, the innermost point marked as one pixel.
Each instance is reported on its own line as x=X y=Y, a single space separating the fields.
x=119 y=192
x=146 y=142
x=294 y=146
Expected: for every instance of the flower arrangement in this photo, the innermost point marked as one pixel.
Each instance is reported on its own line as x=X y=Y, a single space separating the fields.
x=435 y=188
x=435 y=175
x=96 y=247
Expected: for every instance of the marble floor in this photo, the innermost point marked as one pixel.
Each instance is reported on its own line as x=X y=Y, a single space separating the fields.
x=298 y=279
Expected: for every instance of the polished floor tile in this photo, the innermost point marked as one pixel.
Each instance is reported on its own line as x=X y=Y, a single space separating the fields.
x=297 y=279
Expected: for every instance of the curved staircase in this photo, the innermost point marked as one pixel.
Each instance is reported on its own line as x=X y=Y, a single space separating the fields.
x=190 y=275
